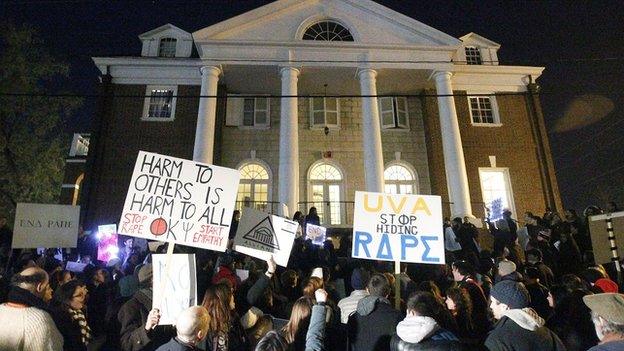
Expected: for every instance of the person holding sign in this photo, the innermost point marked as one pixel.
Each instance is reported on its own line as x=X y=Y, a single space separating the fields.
x=191 y=328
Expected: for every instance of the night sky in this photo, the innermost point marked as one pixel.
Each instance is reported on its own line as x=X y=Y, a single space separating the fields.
x=581 y=44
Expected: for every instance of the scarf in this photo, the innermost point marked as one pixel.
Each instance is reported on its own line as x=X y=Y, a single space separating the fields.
x=85 y=332
x=25 y=297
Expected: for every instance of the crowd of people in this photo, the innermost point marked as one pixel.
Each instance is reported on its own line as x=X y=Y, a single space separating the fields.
x=528 y=285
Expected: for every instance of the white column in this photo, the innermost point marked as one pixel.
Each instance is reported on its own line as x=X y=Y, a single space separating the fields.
x=206 y=115
x=371 y=132
x=454 y=164
x=288 y=190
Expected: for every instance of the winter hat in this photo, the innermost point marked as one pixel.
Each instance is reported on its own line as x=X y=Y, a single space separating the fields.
x=608 y=306
x=511 y=293
x=506 y=267
x=606 y=285
x=251 y=317
x=359 y=279
x=145 y=273
x=128 y=286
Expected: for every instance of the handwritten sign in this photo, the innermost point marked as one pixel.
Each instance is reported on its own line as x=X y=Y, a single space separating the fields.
x=107 y=242
x=43 y=225
x=406 y=228
x=180 y=201
x=261 y=235
x=177 y=290
x=316 y=233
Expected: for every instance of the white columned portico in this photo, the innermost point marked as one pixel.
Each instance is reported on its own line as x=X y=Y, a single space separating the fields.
x=288 y=190
x=206 y=115
x=454 y=163
x=371 y=132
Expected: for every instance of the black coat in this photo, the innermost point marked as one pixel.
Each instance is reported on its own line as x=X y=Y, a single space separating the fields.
x=397 y=344
x=132 y=316
x=175 y=345
x=374 y=330
x=509 y=336
x=70 y=330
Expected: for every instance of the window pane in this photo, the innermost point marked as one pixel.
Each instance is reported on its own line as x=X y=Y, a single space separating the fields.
x=401 y=104
x=261 y=104
x=167 y=47
x=317 y=104
x=325 y=171
x=496 y=194
x=160 y=103
x=331 y=103
x=248 y=105
x=402 y=119
x=318 y=118
x=248 y=118
x=387 y=119
x=386 y=103
x=331 y=118
x=261 y=117
x=334 y=204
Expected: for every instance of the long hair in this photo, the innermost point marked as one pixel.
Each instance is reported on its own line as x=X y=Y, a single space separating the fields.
x=217 y=302
x=299 y=318
x=313 y=284
x=463 y=307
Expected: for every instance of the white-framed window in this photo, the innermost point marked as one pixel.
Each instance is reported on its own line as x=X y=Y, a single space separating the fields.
x=327 y=31
x=80 y=145
x=160 y=103
x=473 y=55
x=496 y=191
x=324 y=112
x=400 y=178
x=256 y=112
x=393 y=113
x=254 y=188
x=483 y=110
x=167 y=47
x=326 y=192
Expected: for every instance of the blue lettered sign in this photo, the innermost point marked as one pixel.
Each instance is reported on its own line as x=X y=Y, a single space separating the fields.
x=390 y=227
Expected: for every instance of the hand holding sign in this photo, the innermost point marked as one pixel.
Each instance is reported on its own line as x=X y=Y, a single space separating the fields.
x=152 y=319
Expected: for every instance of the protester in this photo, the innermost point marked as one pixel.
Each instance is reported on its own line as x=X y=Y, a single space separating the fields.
x=518 y=327
x=25 y=321
x=69 y=313
x=608 y=317
x=571 y=321
x=225 y=331
x=348 y=305
x=191 y=328
x=421 y=329
x=374 y=322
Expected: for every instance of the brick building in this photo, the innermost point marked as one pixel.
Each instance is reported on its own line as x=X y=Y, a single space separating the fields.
x=318 y=99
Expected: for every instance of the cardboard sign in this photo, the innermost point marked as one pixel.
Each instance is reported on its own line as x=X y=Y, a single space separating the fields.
x=316 y=233
x=43 y=225
x=180 y=201
x=261 y=235
x=107 y=242
x=177 y=290
x=406 y=228
x=600 y=237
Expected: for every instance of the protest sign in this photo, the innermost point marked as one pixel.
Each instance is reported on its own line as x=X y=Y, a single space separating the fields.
x=316 y=233
x=406 y=228
x=176 y=290
x=180 y=201
x=75 y=267
x=107 y=242
x=43 y=225
x=261 y=235
x=605 y=245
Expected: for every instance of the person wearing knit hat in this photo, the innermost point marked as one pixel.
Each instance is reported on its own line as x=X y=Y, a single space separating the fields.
x=608 y=317
x=519 y=327
x=359 y=279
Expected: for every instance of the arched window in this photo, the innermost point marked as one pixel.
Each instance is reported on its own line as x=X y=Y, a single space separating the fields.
x=167 y=47
x=327 y=31
x=326 y=191
x=400 y=179
x=254 y=189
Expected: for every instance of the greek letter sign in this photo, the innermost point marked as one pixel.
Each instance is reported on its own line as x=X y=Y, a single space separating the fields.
x=180 y=201
x=406 y=228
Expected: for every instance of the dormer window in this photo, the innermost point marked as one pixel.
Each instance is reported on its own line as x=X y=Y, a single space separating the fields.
x=327 y=31
x=167 y=47
x=473 y=55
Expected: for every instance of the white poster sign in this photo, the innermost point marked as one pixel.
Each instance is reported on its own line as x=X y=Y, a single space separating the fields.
x=177 y=290
x=316 y=233
x=43 y=225
x=180 y=201
x=261 y=235
x=75 y=267
x=406 y=228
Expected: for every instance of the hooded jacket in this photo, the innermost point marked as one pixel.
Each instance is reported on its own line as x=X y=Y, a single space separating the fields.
x=372 y=325
x=522 y=330
x=423 y=333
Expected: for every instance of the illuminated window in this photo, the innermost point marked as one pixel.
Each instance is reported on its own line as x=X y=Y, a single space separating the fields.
x=160 y=103
x=473 y=55
x=496 y=191
x=324 y=112
x=327 y=31
x=167 y=47
x=325 y=192
x=254 y=189
x=399 y=179
x=483 y=110
x=393 y=113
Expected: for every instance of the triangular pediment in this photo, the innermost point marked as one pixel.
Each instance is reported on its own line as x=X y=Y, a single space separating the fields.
x=285 y=21
x=474 y=39
x=166 y=29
